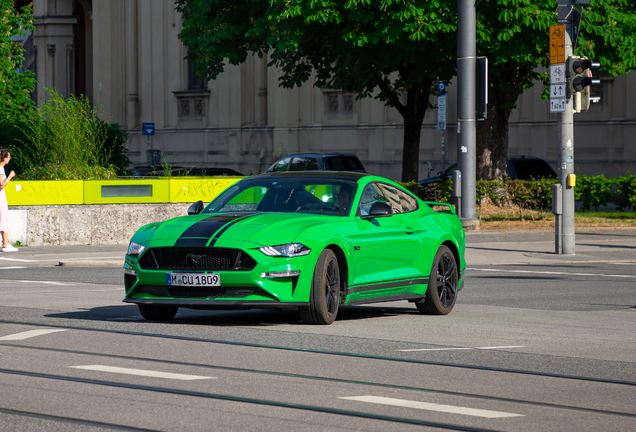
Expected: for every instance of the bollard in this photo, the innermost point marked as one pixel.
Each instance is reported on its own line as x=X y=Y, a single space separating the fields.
x=557 y=209
x=457 y=191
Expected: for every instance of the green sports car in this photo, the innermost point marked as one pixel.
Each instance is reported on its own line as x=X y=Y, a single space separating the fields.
x=309 y=241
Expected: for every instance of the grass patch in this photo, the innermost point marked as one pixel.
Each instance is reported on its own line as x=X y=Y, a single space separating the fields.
x=497 y=218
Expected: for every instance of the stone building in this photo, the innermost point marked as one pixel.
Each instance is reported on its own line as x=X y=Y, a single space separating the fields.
x=126 y=56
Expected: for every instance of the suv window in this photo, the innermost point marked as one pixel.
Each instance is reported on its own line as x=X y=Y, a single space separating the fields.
x=343 y=163
x=527 y=169
x=298 y=164
x=312 y=164
x=281 y=165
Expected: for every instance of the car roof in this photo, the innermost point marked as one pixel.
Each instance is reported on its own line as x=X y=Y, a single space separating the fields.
x=318 y=154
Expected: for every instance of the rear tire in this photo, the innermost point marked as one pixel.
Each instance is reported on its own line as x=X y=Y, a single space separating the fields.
x=441 y=293
x=324 y=298
x=157 y=312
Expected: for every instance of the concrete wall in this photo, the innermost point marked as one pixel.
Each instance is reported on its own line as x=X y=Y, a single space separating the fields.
x=85 y=224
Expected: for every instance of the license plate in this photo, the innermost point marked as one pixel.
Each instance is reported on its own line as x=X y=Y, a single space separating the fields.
x=193 y=279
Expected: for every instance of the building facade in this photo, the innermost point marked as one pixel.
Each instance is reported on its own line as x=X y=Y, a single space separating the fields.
x=125 y=55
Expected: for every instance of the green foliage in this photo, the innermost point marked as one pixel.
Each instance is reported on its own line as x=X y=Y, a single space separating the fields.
x=400 y=47
x=594 y=191
x=627 y=185
x=65 y=140
x=15 y=87
x=113 y=150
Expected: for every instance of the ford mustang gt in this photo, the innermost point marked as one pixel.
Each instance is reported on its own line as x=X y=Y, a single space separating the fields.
x=309 y=241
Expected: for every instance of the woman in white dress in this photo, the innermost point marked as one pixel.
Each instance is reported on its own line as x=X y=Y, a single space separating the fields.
x=5 y=157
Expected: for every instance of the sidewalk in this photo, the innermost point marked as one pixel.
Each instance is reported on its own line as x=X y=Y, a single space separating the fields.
x=482 y=248
x=537 y=247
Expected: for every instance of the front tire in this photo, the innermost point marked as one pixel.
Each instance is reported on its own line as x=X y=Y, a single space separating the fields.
x=441 y=293
x=157 y=312
x=324 y=298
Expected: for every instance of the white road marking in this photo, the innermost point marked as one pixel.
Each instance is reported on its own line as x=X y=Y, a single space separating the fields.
x=457 y=349
x=12 y=267
x=142 y=372
x=47 y=282
x=18 y=259
x=432 y=407
x=552 y=273
x=29 y=334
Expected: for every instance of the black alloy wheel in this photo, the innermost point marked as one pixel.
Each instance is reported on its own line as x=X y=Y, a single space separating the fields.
x=441 y=293
x=324 y=298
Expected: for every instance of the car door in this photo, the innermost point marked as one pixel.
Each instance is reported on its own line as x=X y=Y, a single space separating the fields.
x=385 y=249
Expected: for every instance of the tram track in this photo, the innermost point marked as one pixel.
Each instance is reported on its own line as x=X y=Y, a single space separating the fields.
x=334 y=353
x=263 y=402
x=321 y=378
x=72 y=421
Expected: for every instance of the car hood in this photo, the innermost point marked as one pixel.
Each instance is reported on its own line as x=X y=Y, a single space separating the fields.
x=208 y=229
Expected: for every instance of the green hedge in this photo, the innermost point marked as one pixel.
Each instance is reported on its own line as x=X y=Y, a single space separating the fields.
x=591 y=191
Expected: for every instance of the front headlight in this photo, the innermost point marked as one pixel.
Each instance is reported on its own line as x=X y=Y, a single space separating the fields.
x=286 y=250
x=135 y=249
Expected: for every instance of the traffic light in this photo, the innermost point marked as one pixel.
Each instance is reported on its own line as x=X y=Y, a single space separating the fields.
x=579 y=81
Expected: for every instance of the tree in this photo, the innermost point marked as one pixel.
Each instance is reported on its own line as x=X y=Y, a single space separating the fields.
x=393 y=50
x=513 y=34
x=15 y=86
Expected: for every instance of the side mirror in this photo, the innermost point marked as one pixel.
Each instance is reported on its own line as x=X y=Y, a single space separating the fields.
x=195 y=208
x=379 y=209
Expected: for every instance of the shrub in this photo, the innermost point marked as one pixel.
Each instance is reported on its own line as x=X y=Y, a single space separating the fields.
x=627 y=187
x=67 y=140
x=594 y=191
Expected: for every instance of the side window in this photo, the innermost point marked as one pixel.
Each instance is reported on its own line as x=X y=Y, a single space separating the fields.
x=370 y=195
x=297 y=164
x=312 y=164
x=391 y=196
x=281 y=165
x=408 y=202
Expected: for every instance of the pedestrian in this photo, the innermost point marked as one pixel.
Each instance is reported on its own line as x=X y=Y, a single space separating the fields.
x=5 y=157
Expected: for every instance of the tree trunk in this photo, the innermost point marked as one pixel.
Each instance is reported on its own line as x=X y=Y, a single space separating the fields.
x=416 y=105
x=492 y=134
x=413 y=112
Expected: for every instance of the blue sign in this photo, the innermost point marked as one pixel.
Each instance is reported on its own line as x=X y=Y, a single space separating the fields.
x=441 y=88
x=148 y=129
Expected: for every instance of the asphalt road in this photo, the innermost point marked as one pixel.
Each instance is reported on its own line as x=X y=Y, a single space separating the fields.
x=535 y=342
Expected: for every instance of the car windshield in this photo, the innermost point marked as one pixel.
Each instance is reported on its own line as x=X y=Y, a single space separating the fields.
x=288 y=195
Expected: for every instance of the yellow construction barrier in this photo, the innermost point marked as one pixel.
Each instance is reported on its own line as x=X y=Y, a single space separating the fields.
x=119 y=191
x=45 y=192
x=191 y=189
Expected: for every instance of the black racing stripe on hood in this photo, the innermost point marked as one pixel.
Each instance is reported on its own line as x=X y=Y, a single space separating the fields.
x=203 y=230
x=227 y=226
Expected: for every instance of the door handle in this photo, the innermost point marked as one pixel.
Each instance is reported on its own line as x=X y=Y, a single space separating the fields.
x=410 y=230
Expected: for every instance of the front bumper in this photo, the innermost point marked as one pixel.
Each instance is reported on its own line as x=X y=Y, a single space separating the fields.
x=255 y=288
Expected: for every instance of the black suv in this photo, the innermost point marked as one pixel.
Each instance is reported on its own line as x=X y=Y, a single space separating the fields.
x=318 y=162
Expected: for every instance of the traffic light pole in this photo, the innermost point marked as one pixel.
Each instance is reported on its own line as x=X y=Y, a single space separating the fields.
x=466 y=115
x=566 y=143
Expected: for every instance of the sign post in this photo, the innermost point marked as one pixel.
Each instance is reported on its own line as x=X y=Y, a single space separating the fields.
x=148 y=129
x=558 y=87
x=441 y=117
x=561 y=102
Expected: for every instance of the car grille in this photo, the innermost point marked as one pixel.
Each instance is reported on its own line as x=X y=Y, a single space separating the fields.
x=196 y=258
x=195 y=292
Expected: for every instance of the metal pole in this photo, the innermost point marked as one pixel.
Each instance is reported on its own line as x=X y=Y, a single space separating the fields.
x=566 y=141
x=466 y=117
